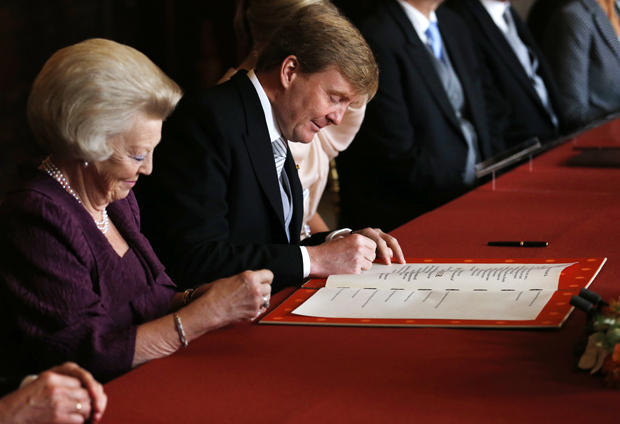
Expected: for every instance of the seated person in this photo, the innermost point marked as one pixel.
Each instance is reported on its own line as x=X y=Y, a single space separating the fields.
x=65 y=394
x=78 y=281
x=225 y=195
x=582 y=47
x=519 y=88
x=426 y=128
x=539 y=15
x=263 y=18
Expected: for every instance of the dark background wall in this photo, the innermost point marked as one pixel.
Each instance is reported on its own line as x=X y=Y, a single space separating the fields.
x=193 y=41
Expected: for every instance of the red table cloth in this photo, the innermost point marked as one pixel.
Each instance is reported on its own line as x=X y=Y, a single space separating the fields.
x=295 y=374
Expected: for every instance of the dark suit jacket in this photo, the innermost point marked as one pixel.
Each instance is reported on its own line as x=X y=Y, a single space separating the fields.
x=212 y=206
x=512 y=100
x=539 y=16
x=410 y=153
x=583 y=51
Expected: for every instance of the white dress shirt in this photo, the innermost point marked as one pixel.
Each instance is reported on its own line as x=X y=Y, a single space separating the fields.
x=418 y=20
x=497 y=9
x=275 y=134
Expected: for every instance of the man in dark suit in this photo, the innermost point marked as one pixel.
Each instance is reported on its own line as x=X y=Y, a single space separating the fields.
x=225 y=195
x=520 y=90
x=426 y=127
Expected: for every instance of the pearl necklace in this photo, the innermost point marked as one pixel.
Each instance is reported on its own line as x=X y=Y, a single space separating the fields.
x=56 y=174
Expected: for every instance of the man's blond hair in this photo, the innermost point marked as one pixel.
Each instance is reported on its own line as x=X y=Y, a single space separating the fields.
x=321 y=37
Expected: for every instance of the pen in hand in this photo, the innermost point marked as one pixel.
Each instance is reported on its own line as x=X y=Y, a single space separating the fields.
x=518 y=243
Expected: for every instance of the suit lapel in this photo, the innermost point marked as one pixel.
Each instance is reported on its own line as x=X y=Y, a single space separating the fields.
x=258 y=143
x=296 y=194
x=422 y=60
x=601 y=20
x=460 y=64
x=498 y=39
x=544 y=71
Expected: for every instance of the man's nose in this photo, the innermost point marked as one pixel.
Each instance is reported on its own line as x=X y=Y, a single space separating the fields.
x=335 y=117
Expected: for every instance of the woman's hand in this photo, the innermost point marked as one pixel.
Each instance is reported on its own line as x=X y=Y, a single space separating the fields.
x=64 y=394
x=240 y=298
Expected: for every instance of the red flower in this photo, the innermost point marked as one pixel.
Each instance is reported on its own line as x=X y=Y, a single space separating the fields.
x=616 y=353
x=609 y=365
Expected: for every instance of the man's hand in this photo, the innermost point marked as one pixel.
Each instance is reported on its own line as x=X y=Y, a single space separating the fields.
x=344 y=255
x=387 y=246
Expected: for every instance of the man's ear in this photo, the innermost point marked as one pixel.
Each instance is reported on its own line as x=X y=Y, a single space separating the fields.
x=289 y=71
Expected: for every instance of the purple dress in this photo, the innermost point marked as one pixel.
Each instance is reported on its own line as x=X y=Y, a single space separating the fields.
x=65 y=294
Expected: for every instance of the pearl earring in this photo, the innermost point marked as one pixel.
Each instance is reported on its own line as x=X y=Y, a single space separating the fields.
x=85 y=164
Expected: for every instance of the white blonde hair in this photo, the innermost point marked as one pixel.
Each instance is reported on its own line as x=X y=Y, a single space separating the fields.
x=92 y=91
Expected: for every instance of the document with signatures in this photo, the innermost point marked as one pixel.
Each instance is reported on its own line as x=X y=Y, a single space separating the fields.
x=438 y=291
x=444 y=292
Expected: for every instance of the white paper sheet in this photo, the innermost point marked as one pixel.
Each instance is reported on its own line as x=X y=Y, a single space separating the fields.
x=425 y=304
x=438 y=291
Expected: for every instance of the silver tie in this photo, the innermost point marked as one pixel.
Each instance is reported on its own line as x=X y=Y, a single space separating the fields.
x=529 y=61
x=279 y=155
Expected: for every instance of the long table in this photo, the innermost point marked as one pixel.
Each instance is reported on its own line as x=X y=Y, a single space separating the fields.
x=250 y=373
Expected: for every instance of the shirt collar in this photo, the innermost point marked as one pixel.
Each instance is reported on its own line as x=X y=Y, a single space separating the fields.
x=418 y=20
x=497 y=9
x=272 y=125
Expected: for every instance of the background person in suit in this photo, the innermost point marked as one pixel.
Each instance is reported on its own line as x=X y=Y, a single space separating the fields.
x=61 y=395
x=582 y=46
x=426 y=127
x=539 y=16
x=225 y=195
x=520 y=91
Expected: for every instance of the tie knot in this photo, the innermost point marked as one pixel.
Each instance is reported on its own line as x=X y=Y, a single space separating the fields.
x=434 y=39
x=279 y=154
x=510 y=23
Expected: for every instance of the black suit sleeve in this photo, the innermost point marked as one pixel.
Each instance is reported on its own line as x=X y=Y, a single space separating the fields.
x=191 y=198
x=388 y=129
x=498 y=108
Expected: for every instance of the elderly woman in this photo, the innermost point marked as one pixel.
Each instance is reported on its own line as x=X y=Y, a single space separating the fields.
x=264 y=17
x=78 y=281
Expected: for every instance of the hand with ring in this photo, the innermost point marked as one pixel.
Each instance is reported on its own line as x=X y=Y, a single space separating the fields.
x=63 y=394
x=239 y=298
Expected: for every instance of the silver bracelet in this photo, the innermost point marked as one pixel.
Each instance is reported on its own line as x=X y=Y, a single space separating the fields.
x=177 y=322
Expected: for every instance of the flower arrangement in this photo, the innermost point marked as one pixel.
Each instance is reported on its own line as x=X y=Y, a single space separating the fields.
x=602 y=352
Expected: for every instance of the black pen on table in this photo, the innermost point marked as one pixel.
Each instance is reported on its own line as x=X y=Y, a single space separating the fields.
x=518 y=243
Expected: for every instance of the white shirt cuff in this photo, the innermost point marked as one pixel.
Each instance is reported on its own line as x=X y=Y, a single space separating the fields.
x=333 y=234
x=27 y=380
x=305 y=257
